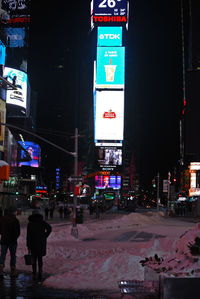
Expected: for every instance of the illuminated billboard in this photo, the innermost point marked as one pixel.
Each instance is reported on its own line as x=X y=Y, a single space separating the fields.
x=109 y=36
x=16 y=97
x=18 y=10
x=110 y=67
x=3 y=120
x=33 y=151
x=15 y=37
x=109 y=11
x=109 y=115
x=111 y=156
x=2 y=53
x=110 y=181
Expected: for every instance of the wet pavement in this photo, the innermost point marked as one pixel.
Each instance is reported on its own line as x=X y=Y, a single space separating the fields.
x=23 y=287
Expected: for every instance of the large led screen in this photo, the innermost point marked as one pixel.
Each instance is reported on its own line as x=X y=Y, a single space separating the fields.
x=16 y=97
x=2 y=53
x=33 y=151
x=15 y=37
x=110 y=67
x=103 y=182
x=103 y=8
x=17 y=7
x=109 y=156
x=109 y=36
x=109 y=115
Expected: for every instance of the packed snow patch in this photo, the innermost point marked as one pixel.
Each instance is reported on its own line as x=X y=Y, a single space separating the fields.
x=100 y=273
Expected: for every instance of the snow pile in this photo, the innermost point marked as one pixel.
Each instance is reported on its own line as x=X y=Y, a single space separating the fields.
x=130 y=220
x=99 y=273
x=180 y=261
x=78 y=264
x=64 y=233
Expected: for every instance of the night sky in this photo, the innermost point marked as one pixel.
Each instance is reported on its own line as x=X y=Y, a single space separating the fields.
x=62 y=50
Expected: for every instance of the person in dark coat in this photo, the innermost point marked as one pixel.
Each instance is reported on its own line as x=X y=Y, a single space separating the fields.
x=37 y=233
x=51 y=211
x=10 y=232
x=61 y=210
x=46 y=213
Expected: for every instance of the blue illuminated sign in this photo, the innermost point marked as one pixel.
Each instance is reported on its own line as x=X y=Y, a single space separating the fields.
x=16 y=37
x=2 y=53
x=109 y=36
x=110 y=67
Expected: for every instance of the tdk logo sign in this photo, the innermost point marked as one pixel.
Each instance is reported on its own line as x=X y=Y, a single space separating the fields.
x=109 y=36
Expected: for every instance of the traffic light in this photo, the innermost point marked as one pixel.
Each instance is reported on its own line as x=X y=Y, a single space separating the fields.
x=154 y=183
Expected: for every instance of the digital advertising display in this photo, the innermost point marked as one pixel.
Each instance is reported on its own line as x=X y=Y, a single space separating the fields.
x=110 y=67
x=16 y=97
x=110 y=181
x=109 y=115
x=111 y=156
x=109 y=36
x=2 y=53
x=15 y=37
x=3 y=120
x=17 y=8
x=109 y=11
x=34 y=152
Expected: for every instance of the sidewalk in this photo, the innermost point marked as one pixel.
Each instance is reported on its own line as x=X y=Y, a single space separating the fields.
x=87 y=218
x=24 y=288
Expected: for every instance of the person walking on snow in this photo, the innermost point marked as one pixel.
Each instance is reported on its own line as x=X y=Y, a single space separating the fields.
x=10 y=232
x=38 y=231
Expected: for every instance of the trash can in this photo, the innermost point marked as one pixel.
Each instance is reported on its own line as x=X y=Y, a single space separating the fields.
x=79 y=215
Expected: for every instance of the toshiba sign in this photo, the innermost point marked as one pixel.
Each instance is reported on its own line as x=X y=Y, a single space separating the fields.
x=109 y=11
x=109 y=36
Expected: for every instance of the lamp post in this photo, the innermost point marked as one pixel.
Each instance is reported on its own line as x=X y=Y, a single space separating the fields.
x=168 y=193
x=158 y=186
x=74 y=230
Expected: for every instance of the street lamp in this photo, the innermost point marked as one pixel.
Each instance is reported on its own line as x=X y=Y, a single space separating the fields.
x=74 y=230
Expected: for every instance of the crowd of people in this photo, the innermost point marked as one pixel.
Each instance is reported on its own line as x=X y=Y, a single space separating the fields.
x=63 y=210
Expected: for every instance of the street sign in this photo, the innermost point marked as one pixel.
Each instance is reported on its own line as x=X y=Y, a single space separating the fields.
x=165 y=186
x=75 y=179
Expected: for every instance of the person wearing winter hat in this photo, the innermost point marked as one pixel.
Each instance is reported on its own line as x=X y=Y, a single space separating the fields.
x=10 y=232
x=38 y=231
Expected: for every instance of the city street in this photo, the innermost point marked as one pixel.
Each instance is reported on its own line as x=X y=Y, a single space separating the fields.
x=108 y=250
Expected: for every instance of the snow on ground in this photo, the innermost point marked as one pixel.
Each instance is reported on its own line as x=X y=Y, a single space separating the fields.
x=180 y=262
x=99 y=263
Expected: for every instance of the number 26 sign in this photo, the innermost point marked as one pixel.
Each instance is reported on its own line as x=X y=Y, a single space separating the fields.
x=110 y=7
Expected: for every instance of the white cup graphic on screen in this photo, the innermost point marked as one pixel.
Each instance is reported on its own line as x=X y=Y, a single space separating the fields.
x=110 y=71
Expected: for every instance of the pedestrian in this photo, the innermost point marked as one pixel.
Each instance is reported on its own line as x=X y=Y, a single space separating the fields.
x=10 y=232
x=38 y=231
x=97 y=210
x=46 y=212
x=66 y=211
x=61 y=210
x=51 y=211
x=91 y=208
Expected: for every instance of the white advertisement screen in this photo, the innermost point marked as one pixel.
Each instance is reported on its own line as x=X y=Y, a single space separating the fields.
x=109 y=115
x=16 y=97
x=109 y=156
